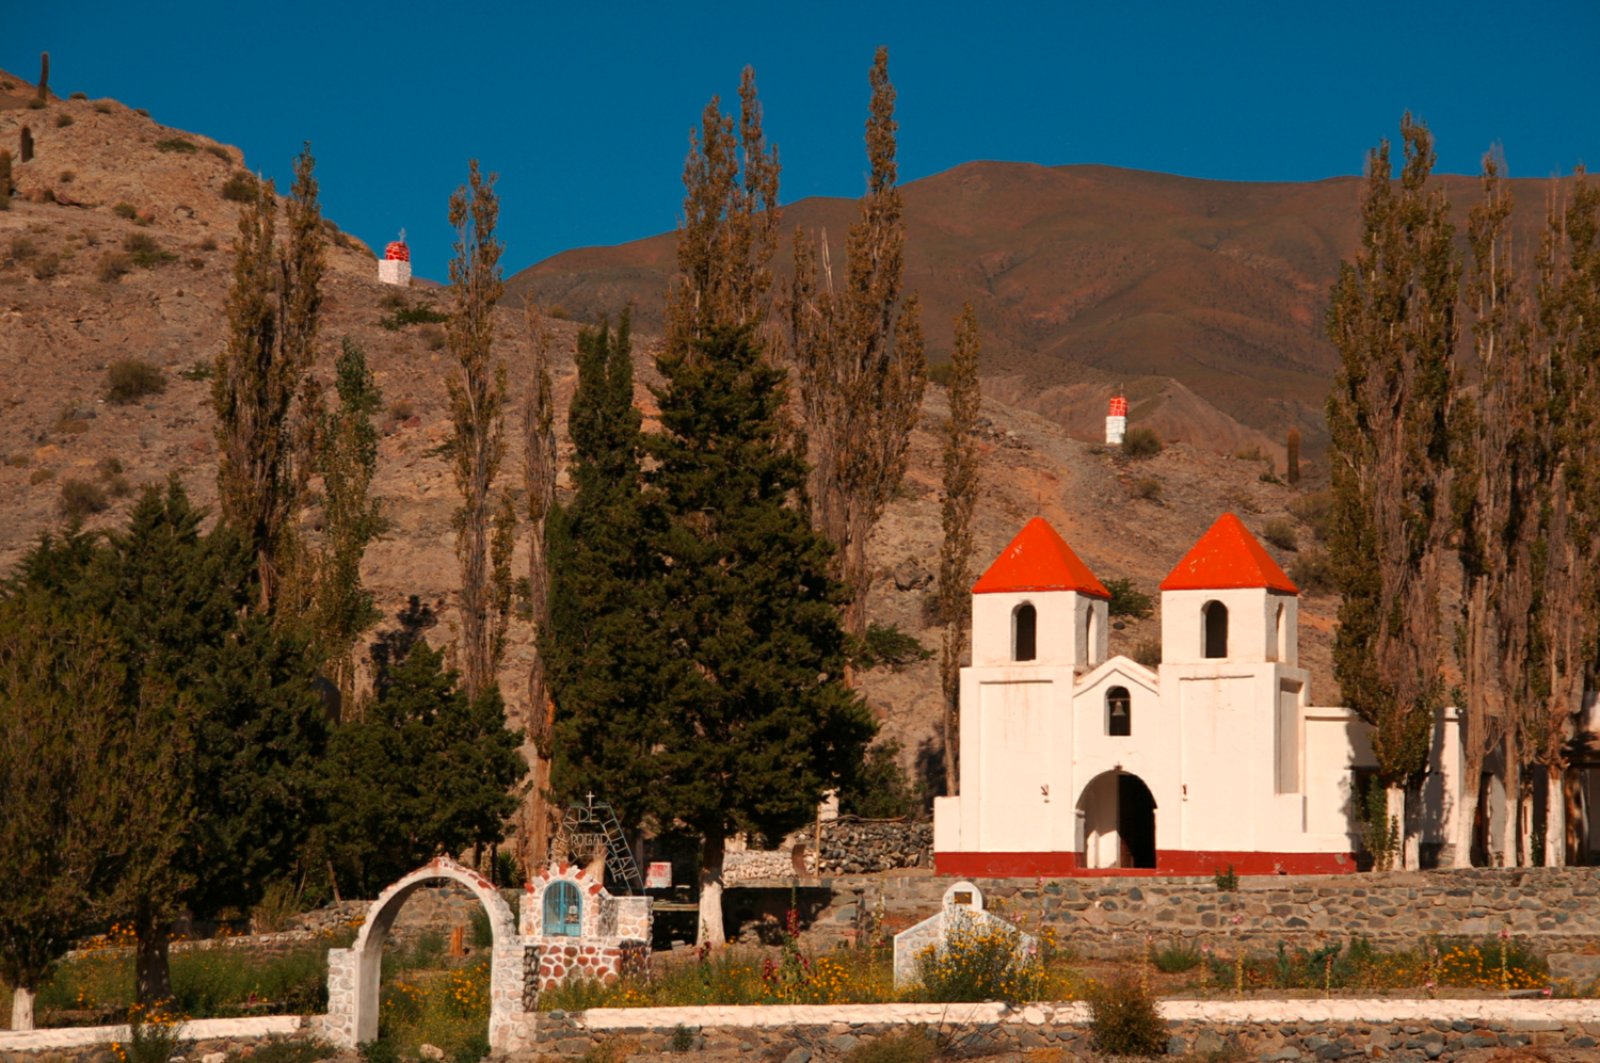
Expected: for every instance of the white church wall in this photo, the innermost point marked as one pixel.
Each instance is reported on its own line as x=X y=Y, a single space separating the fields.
x=1226 y=752
x=1336 y=743
x=1253 y=627
x=1016 y=763
x=1071 y=629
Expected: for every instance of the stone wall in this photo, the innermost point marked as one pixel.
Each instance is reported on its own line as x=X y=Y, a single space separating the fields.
x=1556 y=909
x=863 y=846
x=1268 y=1030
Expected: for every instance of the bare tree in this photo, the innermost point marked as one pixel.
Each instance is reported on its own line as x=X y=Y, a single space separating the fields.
x=539 y=476
x=859 y=360
x=957 y=503
x=1392 y=318
x=730 y=224
x=273 y=309
x=477 y=412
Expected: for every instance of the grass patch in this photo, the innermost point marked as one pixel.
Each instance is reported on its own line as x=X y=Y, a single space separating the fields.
x=144 y=252
x=1141 y=443
x=178 y=145
x=405 y=316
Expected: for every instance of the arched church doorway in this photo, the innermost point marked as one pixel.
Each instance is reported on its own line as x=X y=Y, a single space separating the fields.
x=1118 y=813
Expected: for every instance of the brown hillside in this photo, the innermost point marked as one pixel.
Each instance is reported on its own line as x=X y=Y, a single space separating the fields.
x=64 y=319
x=1204 y=299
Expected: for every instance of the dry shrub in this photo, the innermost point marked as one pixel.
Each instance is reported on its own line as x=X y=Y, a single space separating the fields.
x=131 y=379
x=1124 y=1020
x=1141 y=443
x=1280 y=532
x=80 y=499
x=113 y=266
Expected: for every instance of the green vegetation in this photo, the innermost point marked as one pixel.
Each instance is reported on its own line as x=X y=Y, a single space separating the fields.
x=882 y=790
x=1141 y=443
x=63 y=120
x=177 y=144
x=404 y=316
x=1177 y=958
x=125 y=210
x=131 y=379
x=887 y=644
x=1128 y=600
x=982 y=961
x=144 y=252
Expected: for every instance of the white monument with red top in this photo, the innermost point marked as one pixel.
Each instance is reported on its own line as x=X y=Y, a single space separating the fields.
x=395 y=267
x=1116 y=421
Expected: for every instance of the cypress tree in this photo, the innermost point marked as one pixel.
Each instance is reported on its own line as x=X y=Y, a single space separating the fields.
x=427 y=770
x=957 y=504
x=1392 y=319
x=602 y=649
x=756 y=720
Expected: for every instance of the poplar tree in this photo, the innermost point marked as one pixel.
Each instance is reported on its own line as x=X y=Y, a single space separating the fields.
x=347 y=446
x=1501 y=464
x=1392 y=319
x=859 y=360
x=477 y=413
x=755 y=721
x=730 y=224
x=957 y=503
x=1569 y=333
x=539 y=475
x=273 y=310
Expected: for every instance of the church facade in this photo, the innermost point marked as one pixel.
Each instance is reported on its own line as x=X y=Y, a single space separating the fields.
x=1076 y=762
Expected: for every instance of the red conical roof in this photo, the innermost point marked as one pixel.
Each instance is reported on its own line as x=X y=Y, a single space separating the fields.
x=1039 y=560
x=1226 y=557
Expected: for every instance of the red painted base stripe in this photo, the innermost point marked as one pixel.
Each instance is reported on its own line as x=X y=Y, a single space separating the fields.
x=1168 y=862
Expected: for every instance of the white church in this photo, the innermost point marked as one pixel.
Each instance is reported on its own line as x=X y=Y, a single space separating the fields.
x=1073 y=762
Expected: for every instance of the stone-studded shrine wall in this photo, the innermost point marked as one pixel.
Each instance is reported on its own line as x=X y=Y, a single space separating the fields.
x=1556 y=909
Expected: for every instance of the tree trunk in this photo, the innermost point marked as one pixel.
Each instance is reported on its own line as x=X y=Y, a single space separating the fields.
x=1395 y=811
x=539 y=812
x=21 y=1008
x=1466 y=836
x=152 y=975
x=1511 y=822
x=711 y=932
x=1555 y=818
x=1525 y=823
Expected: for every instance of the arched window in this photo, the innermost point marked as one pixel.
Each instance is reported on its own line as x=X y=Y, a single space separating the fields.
x=1119 y=713
x=1024 y=632
x=563 y=910
x=1215 y=615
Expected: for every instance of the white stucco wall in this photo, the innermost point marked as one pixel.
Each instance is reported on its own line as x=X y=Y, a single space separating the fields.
x=1062 y=624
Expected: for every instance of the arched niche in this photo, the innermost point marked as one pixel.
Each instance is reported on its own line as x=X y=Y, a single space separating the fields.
x=1214 y=630
x=1024 y=632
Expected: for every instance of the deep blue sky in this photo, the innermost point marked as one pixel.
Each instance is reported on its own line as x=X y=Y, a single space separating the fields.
x=584 y=108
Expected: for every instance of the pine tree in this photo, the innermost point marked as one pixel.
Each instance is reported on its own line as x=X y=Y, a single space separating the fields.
x=539 y=473
x=353 y=517
x=274 y=307
x=957 y=504
x=477 y=413
x=859 y=361
x=603 y=649
x=1392 y=319
x=730 y=225
x=427 y=771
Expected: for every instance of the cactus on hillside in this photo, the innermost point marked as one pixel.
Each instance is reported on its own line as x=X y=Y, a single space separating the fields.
x=1292 y=474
